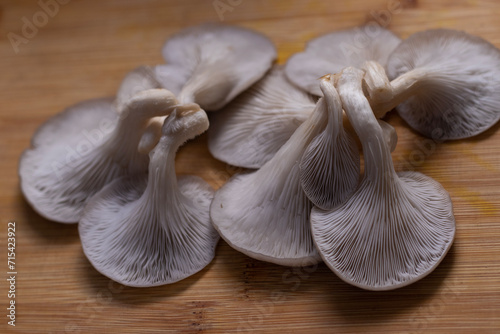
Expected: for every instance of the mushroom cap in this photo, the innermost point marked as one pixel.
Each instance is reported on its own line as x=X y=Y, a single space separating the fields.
x=172 y=76
x=332 y=52
x=133 y=246
x=216 y=63
x=78 y=151
x=266 y=221
x=383 y=240
x=56 y=149
x=458 y=94
x=252 y=128
x=330 y=166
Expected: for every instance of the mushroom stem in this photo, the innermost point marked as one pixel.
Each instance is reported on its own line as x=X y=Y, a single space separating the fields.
x=161 y=173
x=133 y=121
x=335 y=118
x=310 y=128
x=385 y=95
x=376 y=151
x=157 y=196
x=329 y=168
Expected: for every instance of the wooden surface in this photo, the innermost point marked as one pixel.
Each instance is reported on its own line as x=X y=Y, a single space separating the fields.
x=85 y=50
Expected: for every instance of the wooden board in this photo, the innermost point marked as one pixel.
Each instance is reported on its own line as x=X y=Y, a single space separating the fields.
x=83 y=52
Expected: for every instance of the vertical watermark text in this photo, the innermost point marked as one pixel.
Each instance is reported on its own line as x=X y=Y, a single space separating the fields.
x=11 y=273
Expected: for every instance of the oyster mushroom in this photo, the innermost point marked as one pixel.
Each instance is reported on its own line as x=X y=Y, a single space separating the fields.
x=150 y=229
x=75 y=153
x=330 y=166
x=332 y=52
x=445 y=84
x=210 y=65
x=265 y=214
x=397 y=227
x=251 y=129
x=217 y=61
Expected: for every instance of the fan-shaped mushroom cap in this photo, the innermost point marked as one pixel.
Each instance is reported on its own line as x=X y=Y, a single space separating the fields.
x=332 y=52
x=151 y=230
x=77 y=152
x=251 y=129
x=455 y=78
x=216 y=63
x=396 y=228
x=210 y=65
x=330 y=166
x=265 y=214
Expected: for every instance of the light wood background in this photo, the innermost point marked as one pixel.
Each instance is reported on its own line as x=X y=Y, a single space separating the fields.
x=84 y=51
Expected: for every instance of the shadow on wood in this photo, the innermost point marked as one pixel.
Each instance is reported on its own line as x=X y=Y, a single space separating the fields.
x=51 y=232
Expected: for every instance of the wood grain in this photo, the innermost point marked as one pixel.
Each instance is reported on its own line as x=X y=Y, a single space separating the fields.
x=86 y=49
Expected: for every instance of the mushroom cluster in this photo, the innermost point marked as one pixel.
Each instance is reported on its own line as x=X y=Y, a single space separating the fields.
x=109 y=164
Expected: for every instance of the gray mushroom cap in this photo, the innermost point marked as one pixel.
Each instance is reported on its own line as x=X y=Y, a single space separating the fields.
x=330 y=166
x=332 y=52
x=211 y=63
x=397 y=227
x=75 y=153
x=152 y=229
x=455 y=80
x=251 y=129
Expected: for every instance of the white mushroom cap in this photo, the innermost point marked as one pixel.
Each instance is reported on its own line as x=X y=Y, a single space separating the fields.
x=216 y=62
x=210 y=65
x=151 y=229
x=455 y=83
x=332 y=52
x=251 y=129
x=330 y=166
x=265 y=214
x=396 y=228
x=77 y=152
